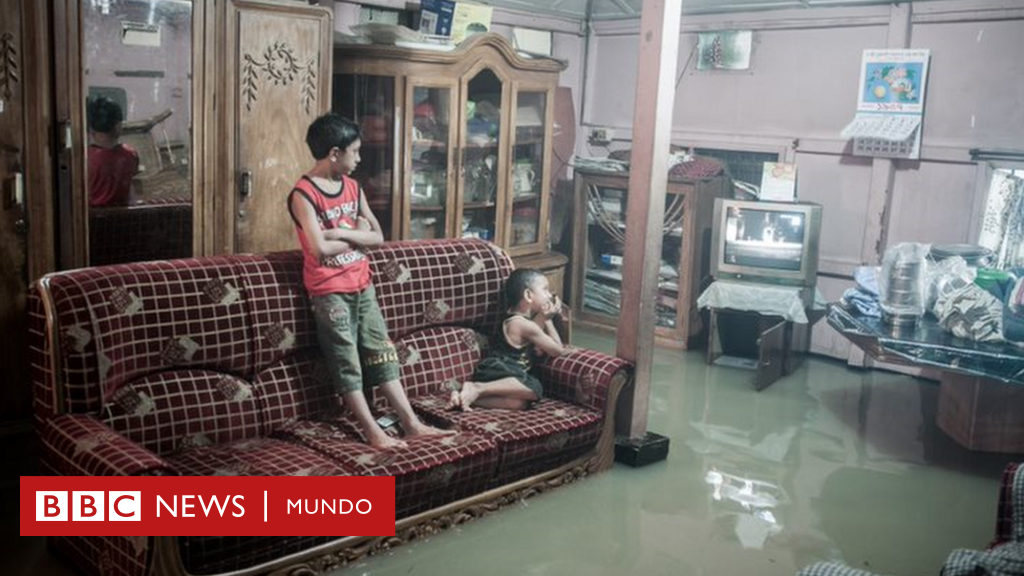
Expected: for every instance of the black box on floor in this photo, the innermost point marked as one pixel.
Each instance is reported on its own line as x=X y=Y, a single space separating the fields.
x=637 y=452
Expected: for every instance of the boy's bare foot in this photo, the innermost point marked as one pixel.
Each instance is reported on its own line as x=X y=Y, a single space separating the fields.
x=421 y=429
x=470 y=392
x=385 y=442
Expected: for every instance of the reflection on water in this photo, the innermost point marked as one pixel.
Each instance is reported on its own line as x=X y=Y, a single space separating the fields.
x=137 y=65
x=828 y=463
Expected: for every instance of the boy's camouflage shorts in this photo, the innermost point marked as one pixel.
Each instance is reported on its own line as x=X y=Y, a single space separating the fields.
x=354 y=340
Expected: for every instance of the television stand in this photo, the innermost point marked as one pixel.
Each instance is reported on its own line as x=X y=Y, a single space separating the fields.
x=762 y=327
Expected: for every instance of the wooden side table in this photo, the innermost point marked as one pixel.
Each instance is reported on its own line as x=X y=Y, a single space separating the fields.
x=759 y=333
x=779 y=345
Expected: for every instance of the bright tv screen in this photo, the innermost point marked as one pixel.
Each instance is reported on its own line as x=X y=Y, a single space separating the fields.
x=769 y=239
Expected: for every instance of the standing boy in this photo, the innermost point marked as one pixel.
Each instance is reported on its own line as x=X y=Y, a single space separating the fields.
x=335 y=224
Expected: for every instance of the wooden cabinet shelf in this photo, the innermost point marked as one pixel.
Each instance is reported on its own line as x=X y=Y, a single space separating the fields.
x=456 y=127
x=599 y=232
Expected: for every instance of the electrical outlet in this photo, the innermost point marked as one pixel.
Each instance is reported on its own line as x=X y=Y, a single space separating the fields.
x=600 y=135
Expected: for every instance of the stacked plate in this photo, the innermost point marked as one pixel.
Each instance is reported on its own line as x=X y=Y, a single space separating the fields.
x=903 y=301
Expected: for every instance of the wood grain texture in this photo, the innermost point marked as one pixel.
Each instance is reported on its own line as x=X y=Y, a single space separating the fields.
x=280 y=86
x=982 y=414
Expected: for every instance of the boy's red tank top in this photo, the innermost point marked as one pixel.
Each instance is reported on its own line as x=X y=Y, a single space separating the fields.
x=347 y=272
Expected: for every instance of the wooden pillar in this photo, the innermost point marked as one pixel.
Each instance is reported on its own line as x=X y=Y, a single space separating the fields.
x=648 y=178
x=883 y=175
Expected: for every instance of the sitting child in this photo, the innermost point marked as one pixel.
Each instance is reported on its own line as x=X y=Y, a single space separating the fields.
x=503 y=379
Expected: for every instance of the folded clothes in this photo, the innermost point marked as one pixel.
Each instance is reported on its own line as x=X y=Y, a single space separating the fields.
x=968 y=311
x=866 y=278
x=865 y=303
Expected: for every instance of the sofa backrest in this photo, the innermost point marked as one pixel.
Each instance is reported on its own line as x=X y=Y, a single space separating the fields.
x=94 y=331
x=151 y=231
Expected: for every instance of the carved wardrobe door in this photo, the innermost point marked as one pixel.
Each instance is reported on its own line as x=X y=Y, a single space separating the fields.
x=277 y=82
x=26 y=229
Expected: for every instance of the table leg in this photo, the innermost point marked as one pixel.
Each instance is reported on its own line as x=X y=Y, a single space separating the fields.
x=714 y=346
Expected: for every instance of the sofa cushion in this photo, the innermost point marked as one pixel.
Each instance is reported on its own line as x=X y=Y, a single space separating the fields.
x=432 y=356
x=530 y=441
x=295 y=388
x=278 y=307
x=257 y=457
x=174 y=410
x=427 y=283
x=263 y=457
x=119 y=323
x=431 y=471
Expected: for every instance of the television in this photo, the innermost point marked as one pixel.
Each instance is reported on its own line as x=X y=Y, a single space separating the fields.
x=772 y=242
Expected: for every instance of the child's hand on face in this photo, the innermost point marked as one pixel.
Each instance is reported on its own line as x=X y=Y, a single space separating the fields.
x=553 y=307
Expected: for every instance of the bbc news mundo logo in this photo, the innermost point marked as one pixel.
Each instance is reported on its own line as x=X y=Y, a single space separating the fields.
x=89 y=506
x=207 y=506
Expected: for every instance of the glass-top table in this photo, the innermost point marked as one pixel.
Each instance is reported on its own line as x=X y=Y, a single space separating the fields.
x=981 y=400
x=928 y=344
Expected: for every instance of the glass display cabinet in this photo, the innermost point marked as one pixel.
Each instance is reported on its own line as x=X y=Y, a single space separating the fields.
x=456 y=143
x=598 y=242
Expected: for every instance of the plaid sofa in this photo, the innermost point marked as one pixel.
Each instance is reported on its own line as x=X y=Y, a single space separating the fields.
x=1004 y=556
x=211 y=366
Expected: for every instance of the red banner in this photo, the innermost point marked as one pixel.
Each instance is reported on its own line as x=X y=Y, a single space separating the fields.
x=207 y=506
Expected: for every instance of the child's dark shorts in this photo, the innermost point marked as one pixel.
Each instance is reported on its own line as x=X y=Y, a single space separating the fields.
x=354 y=340
x=497 y=367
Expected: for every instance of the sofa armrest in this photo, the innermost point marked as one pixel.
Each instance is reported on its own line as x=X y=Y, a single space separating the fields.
x=833 y=569
x=81 y=445
x=582 y=377
x=1009 y=521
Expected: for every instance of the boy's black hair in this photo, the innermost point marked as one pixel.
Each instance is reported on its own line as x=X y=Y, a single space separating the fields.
x=518 y=281
x=328 y=131
x=103 y=114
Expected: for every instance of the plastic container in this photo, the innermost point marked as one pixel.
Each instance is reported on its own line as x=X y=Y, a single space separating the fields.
x=989 y=278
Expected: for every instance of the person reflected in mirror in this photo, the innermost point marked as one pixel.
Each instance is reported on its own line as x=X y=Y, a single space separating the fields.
x=112 y=165
x=335 y=227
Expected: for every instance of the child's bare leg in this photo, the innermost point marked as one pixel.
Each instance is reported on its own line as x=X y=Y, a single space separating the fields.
x=375 y=437
x=411 y=423
x=501 y=403
x=506 y=388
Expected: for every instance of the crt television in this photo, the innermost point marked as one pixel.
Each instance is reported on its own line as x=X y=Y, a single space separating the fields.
x=775 y=242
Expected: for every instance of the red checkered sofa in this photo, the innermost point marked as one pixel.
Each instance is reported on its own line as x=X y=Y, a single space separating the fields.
x=210 y=366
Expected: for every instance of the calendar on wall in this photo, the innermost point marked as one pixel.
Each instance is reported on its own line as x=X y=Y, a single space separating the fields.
x=890 y=104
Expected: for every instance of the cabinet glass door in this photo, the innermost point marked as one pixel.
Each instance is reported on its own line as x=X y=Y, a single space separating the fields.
x=370 y=102
x=137 y=80
x=528 y=168
x=480 y=159
x=606 y=237
x=429 y=162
